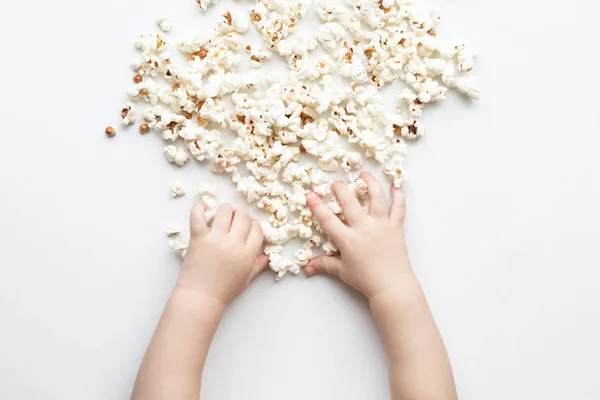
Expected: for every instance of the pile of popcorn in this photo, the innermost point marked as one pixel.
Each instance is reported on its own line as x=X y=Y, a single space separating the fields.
x=281 y=125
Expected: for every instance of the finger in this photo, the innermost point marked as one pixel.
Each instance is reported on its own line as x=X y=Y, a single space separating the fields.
x=255 y=236
x=323 y=265
x=198 y=226
x=261 y=263
x=330 y=223
x=378 y=205
x=222 y=221
x=350 y=205
x=240 y=225
x=398 y=208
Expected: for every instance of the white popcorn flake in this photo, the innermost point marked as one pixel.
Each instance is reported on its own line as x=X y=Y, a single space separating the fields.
x=205 y=4
x=291 y=128
x=128 y=114
x=177 y=189
x=180 y=245
x=176 y=155
x=172 y=231
x=164 y=24
x=329 y=248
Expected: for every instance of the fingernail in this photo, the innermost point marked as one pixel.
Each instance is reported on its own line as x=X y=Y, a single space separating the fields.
x=309 y=271
x=311 y=195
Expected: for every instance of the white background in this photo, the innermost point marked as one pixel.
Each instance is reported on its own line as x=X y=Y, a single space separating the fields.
x=503 y=222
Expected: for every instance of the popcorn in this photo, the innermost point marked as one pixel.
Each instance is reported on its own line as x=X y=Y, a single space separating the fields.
x=329 y=248
x=128 y=114
x=303 y=256
x=204 y=4
x=257 y=55
x=176 y=155
x=165 y=25
x=289 y=130
x=208 y=196
x=180 y=245
x=177 y=190
x=172 y=231
x=394 y=170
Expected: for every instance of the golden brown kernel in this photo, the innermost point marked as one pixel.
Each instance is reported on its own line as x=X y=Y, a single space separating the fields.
x=110 y=131
x=144 y=128
x=138 y=79
x=202 y=53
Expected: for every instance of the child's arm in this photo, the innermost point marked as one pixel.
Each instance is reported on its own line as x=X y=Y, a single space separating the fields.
x=373 y=259
x=220 y=263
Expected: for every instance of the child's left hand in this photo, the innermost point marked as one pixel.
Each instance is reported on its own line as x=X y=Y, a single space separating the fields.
x=222 y=260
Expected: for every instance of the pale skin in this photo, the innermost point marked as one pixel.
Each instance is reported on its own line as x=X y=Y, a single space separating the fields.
x=372 y=259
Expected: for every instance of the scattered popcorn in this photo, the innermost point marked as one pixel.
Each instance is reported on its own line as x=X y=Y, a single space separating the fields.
x=165 y=25
x=128 y=114
x=180 y=245
x=177 y=190
x=278 y=136
x=172 y=231
x=208 y=195
x=204 y=4
x=176 y=155
x=330 y=248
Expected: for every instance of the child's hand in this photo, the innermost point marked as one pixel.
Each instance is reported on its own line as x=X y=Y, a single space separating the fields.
x=373 y=256
x=222 y=260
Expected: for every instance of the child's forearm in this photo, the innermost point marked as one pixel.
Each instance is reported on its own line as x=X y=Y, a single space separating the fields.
x=419 y=365
x=172 y=367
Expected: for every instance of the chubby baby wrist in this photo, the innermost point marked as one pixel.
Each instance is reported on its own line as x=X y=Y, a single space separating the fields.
x=198 y=296
x=404 y=284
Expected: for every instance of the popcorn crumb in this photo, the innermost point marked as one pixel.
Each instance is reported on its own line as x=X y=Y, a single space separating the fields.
x=177 y=190
x=172 y=231
x=165 y=24
x=176 y=155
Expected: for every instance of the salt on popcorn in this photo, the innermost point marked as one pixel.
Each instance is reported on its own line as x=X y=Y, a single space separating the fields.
x=281 y=121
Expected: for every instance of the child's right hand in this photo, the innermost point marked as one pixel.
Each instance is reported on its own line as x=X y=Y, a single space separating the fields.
x=373 y=257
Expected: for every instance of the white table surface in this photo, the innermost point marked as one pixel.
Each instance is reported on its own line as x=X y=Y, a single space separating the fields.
x=503 y=223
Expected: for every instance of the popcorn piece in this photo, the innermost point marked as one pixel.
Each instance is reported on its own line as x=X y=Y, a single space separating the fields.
x=172 y=231
x=303 y=256
x=204 y=4
x=128 y=114
x=394 y=170
x=180 y=245
x=330 y=248
x=177 y=190
x=176 y=155
x=165 y=24
x=208 y=196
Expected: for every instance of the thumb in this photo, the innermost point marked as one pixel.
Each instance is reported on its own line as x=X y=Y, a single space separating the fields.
x=260 y=264
x=324 y=265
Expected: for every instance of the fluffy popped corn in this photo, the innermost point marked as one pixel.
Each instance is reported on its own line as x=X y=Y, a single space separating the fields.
x=164 y=24
x=177 y=190
x=292 y=131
